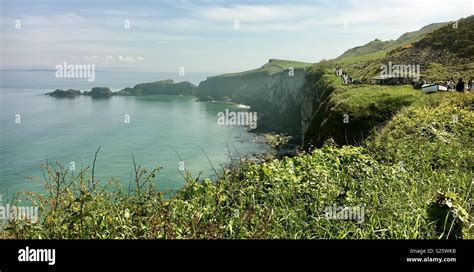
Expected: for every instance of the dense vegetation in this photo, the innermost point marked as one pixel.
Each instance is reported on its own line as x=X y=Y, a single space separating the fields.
x=409 y=166
x=413 y=178
x=441 y=50
x=456 y=38
x=348 y=113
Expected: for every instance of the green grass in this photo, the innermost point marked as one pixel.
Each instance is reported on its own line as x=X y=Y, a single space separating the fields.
x=434 y=138
x=417 y=47
x=378 y=49
x=412 y=171
x=272 y=67
x=411 y=177
x=458 y=41
x=348 y=113
x=359 y=97
x=440 y=73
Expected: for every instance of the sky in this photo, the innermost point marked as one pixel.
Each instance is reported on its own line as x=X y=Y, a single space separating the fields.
x=203 y=36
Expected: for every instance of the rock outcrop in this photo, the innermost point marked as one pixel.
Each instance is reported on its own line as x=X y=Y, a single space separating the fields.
x=164 y=87
x=167 y=87
x=100 y=92
x=64 y=94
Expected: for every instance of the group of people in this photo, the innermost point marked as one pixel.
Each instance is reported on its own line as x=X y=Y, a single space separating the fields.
x=461 y=86
x=346 y=79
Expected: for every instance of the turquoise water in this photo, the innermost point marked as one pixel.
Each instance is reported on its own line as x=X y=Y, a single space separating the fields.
x=70 y=130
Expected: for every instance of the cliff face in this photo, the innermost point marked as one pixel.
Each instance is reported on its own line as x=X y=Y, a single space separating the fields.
x=276 y=97
x=347 y=114
x=298 y=103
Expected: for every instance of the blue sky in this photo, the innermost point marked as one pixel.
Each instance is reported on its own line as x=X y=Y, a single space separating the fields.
x=201 y=35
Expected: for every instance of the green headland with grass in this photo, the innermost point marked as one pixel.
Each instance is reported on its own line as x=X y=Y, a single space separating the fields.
x=402 y=158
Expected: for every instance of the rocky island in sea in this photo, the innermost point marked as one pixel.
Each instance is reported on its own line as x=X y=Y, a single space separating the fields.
x=99 y=92
x=70 y=93
x=163 y=87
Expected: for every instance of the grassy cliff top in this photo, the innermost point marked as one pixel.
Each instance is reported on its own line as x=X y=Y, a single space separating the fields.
x=164 y=82
x=378 y=49
x=273 y=66
x=442 y=50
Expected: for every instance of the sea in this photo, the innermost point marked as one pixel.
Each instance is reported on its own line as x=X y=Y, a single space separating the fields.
x=169 y=132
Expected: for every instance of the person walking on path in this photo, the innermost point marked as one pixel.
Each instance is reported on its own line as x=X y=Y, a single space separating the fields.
x=450 y=84
x=460 y=85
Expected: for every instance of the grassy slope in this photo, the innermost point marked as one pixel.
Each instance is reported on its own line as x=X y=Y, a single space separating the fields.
x=423 y=47
x=377 y=47
x=411 y=177
x=369 y=106
x=273 y=66
x=457 y=43
x=457 y=40
x=348 y=113
x=422 y=134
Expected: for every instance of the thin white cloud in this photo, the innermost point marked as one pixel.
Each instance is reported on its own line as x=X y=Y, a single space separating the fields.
x=260 y=13
x=130 y=59
x=401 y=12
x=206 y=31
